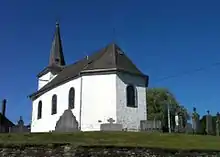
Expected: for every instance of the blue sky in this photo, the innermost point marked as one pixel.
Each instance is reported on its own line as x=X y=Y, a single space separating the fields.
x=163 y=38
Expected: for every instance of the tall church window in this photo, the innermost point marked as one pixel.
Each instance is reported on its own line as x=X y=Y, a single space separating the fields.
x=39 y=110
x=72 y=98
x=54 y=104
x=131 y=94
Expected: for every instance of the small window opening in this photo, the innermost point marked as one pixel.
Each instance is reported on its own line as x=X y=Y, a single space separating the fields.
x=71 y=98
x=57 y=60
x=131 y=92
x=39 y=110
x=54 y=104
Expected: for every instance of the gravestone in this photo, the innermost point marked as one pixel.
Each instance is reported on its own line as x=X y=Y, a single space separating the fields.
x=181 y=125
x=179 y=122
x=195 y=122
x=67 y=122
x=151 y=125
x=209 y=126
x=111 y=126
x=20 y=127
x=111 y=120
x=188 y=128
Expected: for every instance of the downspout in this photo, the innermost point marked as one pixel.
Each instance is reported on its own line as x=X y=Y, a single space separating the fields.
x=80 y=109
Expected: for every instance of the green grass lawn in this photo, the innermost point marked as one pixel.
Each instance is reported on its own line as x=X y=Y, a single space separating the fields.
x=174 y=141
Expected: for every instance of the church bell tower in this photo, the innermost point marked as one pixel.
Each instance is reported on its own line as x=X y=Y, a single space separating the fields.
x=56 y=60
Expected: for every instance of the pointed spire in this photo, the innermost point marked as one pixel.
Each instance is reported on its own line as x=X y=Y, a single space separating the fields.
x=56 y=53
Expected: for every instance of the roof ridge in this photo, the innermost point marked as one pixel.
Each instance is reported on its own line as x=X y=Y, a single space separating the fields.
x=95 y=59
x=89 y=56
x=114 y=53
x=107 y=58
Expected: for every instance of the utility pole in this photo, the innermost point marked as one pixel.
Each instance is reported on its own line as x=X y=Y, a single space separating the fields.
x=168 y=114
x=217 y=123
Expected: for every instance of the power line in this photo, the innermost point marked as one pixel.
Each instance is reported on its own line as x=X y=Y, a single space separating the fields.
x=188 y=72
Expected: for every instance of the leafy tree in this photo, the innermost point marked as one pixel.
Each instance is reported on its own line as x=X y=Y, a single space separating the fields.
x=158 y=100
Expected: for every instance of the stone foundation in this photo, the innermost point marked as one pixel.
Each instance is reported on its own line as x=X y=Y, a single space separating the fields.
x=71 y=151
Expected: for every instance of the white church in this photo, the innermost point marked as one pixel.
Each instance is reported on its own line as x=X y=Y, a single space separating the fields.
x=98 y=87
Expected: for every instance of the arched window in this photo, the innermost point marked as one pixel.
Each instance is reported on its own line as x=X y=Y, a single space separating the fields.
x=54 y=104
x=39 y=110
x=131 y=94
x=72 y=98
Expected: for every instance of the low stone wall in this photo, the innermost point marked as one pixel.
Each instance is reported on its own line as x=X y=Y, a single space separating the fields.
x=98 y=151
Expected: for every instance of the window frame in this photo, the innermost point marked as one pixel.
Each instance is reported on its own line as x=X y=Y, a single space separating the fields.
x=54 y=104
x=131 y=96
x=71 y=98
x=39 y=110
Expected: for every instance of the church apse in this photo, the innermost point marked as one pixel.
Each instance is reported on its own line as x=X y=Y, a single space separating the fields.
x=131 y=100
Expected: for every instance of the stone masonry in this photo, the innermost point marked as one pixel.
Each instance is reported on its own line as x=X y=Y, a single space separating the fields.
x=71 y=151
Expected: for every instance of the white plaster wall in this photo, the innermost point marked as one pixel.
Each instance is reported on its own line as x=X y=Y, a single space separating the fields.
x=48 y=121
x=99 y=100
x=98 y=103
x=103 y=97
x=130 y=117
x=43 y=80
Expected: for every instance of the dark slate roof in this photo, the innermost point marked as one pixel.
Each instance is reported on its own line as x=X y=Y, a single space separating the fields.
x=108 y=58
x=56 y=54
x=5 y=121
x=52 y=69
x=56 y=60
